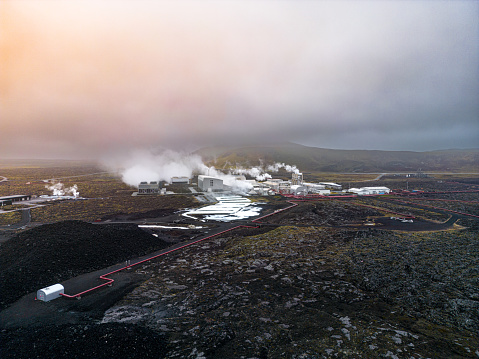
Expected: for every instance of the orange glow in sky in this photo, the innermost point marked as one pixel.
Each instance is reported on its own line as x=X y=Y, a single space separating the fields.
x=80 y=78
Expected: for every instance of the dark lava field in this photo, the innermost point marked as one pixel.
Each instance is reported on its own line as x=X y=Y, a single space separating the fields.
x=324 y=279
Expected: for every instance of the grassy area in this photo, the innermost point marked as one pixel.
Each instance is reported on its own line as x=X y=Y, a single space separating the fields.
x=105 y=194
x=338 y=177
x=7 y=218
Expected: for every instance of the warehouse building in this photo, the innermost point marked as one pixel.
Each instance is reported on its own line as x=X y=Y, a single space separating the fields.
x=207 y=183
x=8 y=200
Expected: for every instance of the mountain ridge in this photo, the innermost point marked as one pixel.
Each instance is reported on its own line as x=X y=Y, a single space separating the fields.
x=315 y=159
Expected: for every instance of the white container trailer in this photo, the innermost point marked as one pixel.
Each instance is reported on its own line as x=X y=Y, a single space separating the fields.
x=50 y=293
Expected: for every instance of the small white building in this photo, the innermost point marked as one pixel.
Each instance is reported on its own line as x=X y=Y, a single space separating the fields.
x=50 y=293
x=207 y=183
x=364 y=191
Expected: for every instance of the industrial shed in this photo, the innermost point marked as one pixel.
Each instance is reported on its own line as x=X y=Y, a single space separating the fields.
x=207 y=183
x=50 y=293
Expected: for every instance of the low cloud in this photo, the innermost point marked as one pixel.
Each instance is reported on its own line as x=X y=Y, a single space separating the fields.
x=82 y=79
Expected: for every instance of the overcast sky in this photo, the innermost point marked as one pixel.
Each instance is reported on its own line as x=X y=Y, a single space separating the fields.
x=89 y=78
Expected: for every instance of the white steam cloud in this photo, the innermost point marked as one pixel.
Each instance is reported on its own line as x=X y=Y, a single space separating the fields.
x=260 y=174
x=143 y=165
x=277 y=166
x=59 y=189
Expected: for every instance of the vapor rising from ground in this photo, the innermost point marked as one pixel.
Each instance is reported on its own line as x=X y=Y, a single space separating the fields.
x=59 y=189
x=144 y=165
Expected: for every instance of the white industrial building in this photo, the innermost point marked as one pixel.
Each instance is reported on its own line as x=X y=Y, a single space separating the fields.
x=181 y=179
x=207 y=183
x=316 y=188
x=298 y=190
x=51 y=292
x=364 y=191
x=277 y=184
x=331 y=185
x=261 y=191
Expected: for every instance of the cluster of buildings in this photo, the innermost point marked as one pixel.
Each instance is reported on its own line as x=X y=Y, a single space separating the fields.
x=295 y=186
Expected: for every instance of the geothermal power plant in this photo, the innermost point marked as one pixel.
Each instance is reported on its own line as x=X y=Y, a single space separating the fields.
x=295 y=186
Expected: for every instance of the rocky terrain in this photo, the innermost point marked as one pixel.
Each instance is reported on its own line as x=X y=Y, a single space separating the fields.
x=83 y=341
x=312 y=292
x=324 y=213
x=310 y=282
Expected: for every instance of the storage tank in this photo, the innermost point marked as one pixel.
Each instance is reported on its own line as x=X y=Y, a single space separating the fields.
x=51 y=292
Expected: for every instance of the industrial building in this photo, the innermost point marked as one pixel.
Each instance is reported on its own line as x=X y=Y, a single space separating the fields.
x=207 y=183
x=331 y=185
x=298 y=190
x=8 y=200
x=316 y=188
x=182 y=179
x=364 y=191
x=148 y=188
x=278 y=185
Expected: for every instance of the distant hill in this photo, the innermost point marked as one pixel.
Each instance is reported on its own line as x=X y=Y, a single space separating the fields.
x=313 y=159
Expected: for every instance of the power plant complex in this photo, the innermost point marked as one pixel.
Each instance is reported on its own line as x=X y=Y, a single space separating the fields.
x=296 y=186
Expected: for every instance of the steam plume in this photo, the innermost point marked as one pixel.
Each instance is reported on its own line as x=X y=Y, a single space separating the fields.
x=59 y=189
x=142 y=165
x=277 y=166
